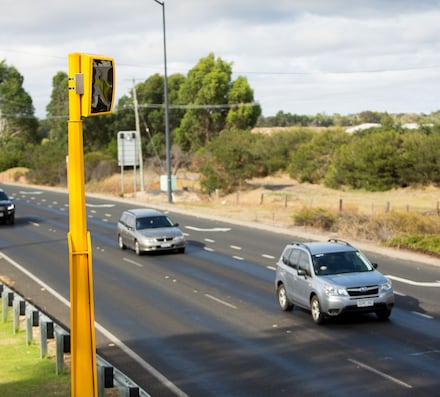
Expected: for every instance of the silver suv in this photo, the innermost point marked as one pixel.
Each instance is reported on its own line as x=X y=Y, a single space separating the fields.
x=329 y=279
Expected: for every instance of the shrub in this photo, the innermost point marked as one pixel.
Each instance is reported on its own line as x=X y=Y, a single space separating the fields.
x=315 y=217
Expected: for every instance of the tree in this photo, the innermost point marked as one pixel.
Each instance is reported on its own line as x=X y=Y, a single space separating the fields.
x=246 y=114
x=58 y=108
x=309 y=163
x=209 y=88
x=372 y=161
x=17 y=110
x=18 y=125
x=228 y=160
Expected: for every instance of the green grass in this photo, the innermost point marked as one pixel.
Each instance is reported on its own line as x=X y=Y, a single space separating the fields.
x=22 y=372
x=429 y=244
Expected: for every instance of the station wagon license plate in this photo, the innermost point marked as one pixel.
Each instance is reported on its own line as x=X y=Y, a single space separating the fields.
x=365 y=303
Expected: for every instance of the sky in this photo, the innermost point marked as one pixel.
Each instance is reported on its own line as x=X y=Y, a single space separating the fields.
x=299 y=56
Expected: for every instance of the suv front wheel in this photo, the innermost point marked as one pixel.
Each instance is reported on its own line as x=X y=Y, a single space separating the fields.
x=283 y=300
x=315 y=307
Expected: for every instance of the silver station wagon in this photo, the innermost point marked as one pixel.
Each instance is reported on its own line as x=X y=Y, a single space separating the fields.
x=145 y=230
x=331 y=278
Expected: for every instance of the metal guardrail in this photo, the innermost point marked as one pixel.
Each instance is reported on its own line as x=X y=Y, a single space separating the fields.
x=108 y=376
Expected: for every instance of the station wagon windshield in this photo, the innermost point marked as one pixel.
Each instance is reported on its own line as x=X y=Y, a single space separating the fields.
x=152 y=222
x=340 y=262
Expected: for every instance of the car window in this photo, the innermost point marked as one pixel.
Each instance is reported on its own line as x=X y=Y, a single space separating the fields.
x=286 y=255
x=304 y=263
x=293 y=260
x=341 y=262
x=152 y=222
x=131 y=221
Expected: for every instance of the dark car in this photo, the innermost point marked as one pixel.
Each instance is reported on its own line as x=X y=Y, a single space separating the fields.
x=146 y=230
x=7 y=208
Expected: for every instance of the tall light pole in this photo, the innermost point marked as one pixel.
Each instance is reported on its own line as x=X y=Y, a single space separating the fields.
x=167 y=126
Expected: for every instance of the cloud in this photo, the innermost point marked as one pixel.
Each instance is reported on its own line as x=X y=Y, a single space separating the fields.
x=300 y=56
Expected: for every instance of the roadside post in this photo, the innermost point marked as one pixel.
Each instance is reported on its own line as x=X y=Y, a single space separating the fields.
x=91 y=92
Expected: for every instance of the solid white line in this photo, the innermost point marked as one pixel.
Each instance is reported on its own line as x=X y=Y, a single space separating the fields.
x=170 y=385
x=36 y=279
x=377 y=372
x=220 y=301
x=422 y=315
x=416 y=283
x=215 y=229
x=35 y=192
x=132 y=262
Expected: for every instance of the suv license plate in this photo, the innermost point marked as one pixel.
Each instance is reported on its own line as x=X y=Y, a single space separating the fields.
x=365 y=303
x=165 y=245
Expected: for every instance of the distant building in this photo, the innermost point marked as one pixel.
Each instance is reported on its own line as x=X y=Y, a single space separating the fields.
x=361 y=127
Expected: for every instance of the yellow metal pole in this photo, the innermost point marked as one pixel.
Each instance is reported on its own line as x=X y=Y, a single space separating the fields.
x=82 y=321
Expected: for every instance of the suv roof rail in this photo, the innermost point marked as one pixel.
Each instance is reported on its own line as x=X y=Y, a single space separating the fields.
x=338 y=241
x=299 y=243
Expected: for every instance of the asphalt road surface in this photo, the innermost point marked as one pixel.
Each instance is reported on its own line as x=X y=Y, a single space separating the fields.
x=207 y=322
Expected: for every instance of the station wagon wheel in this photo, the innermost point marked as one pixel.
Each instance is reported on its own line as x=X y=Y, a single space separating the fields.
x=121 y=243
x=315 y=307
x=137 y=248
x=284 y=302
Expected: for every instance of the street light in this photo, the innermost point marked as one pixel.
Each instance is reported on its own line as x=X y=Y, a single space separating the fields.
x=167 y=126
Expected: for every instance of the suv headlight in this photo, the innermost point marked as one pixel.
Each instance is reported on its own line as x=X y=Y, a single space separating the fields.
x=385 y=286
x=332 y=290
x=11 y=206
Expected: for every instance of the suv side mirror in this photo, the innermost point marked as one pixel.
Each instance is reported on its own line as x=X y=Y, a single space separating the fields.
x=302 y=272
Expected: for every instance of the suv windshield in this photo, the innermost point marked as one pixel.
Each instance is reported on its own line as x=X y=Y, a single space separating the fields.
x=3 y=196
x=151 y=222
x=340 y=262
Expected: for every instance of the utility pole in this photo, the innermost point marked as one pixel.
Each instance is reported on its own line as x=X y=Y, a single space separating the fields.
x=138 y=131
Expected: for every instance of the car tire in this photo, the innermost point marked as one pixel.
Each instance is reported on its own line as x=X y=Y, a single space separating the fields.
x=181 y=250
x=384 y=314
x=285 y=304
x=11 y=219
x=315 y=308
x=137 y=248
x=121 y=244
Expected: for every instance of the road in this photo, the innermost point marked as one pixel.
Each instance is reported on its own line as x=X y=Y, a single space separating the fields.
x=207 y=323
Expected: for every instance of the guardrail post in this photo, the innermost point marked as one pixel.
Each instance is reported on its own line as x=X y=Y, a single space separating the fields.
x=18 y=305
x=4 y=306
x=130 y=391
x=105 y=379
x=62 y=346
x=46 y=332
x=43 y=338
x=32 y=320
